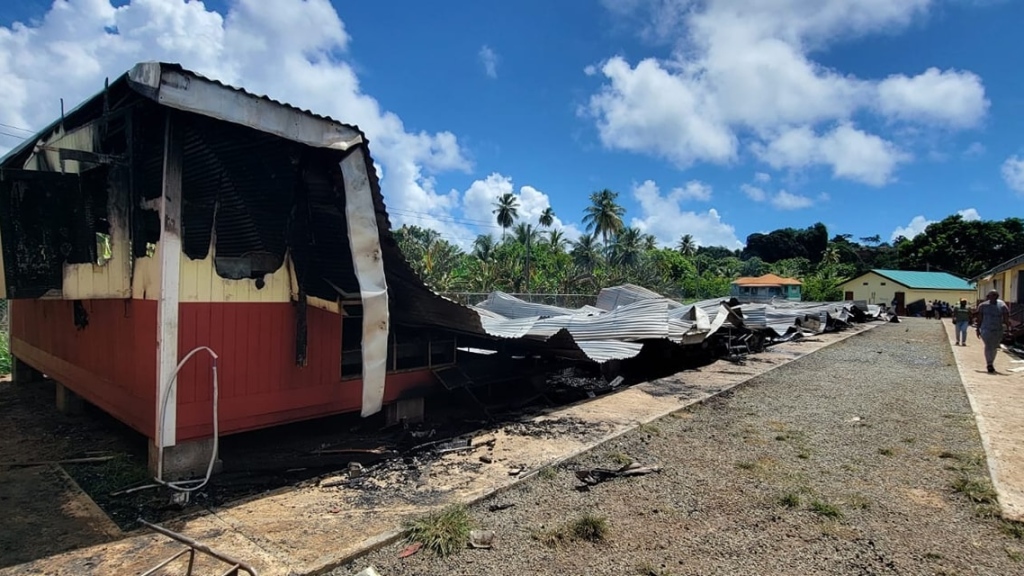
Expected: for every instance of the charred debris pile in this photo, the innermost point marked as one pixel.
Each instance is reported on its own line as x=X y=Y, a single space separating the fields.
x=630 y=335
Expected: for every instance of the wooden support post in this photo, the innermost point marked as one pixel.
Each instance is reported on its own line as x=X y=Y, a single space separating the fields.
x=169 y=252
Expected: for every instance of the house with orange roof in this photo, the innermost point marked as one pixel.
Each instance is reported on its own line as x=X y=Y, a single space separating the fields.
x=765 y=288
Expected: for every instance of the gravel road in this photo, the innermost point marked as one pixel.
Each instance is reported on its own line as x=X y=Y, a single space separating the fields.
x=842 y=462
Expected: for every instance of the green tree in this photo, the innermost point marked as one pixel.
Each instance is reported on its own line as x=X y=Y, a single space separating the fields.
x=483 y=247
x=604 y=215
x=586 y=253
x=686 y=245
x=557 y=240
x=506 y=211
x=626 y=248
x=547 y=217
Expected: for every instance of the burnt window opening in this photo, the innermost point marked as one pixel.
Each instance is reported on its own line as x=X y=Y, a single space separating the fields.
x=41 y=229
x=408 y=348
x=352 y=342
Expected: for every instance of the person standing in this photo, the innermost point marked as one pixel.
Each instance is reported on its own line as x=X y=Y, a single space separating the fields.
x=993 y=318
x=928 y=309
x=961 y=319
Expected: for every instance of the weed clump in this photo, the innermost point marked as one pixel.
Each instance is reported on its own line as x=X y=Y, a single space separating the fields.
x=587 y=528
x=977 y=490
x=826 y=510
x=444 y=532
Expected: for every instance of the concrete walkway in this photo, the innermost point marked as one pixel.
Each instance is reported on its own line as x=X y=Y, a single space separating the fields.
x=998 y=404
x=310 y=529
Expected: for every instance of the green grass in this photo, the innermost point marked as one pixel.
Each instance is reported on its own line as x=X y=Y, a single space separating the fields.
x=590 y=528
x=1011 y=528
x=886 y=451
x=650 y=428
x=976 y=489
x=6 y=361
x=548 y=473
x=1014 y=555
x=826 y=510
x=790 y=500
x=620 y=458
x=444 y=532
x=586 y=528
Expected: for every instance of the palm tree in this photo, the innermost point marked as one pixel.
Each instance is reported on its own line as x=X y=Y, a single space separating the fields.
x=483 y=247
x=526 y=234
x=604 y=215
x=649 y=241
x=557 y=240
x=506 y=210
x=626 y=248
x=686 y=246
x=547 y=217
x=830 y=255
x=586 y=252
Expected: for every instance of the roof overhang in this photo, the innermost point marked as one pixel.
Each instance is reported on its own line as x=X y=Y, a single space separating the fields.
x=1003 y=267
x=180 y=89
x=172 y=86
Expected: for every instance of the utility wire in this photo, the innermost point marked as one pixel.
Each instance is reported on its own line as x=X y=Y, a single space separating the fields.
x=17 y=128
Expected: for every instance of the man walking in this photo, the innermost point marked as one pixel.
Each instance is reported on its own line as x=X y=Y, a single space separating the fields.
x=993 y=318
x=961 y=319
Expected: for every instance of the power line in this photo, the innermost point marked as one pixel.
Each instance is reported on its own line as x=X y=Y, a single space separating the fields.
x=18 y=136
x=17 y=128
x=452 y=219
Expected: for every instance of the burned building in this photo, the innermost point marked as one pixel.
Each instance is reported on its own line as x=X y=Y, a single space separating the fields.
x=197 y=260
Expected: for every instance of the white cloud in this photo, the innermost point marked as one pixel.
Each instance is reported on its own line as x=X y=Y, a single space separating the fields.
x=490 y=61
x=648 y=109
x=754 y=193
x=788 y=201
x=742 y=69
x=942 y=97
x=1013 y=173
x=662 y=216
x=974 y=150
x=478 y=205
x=851 y=153
x=918 y=224
x=969 y=214
x=762 y=177
x=693 y=190
x=291 y=50
x=782 y=199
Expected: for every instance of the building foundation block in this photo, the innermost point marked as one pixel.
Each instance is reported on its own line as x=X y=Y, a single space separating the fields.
x=22 y=373
x=185 y=460
x=68 y=402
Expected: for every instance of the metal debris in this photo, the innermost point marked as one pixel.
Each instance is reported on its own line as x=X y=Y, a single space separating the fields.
x=597 y=475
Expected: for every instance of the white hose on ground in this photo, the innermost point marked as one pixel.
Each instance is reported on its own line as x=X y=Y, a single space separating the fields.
x=183 y=485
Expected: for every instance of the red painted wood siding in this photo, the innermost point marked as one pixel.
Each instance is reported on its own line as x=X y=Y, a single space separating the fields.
x=111 y=362
x=260 y=385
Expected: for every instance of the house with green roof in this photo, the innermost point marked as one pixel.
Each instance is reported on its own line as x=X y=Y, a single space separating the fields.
x=909 y=289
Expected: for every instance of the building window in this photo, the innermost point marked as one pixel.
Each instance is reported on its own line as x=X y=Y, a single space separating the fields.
x=865 y=283
x=882 y=283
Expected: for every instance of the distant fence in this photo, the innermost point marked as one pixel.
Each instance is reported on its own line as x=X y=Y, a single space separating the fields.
x=562 y=300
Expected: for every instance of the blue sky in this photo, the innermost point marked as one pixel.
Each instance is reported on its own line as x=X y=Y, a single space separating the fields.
x=718 y=118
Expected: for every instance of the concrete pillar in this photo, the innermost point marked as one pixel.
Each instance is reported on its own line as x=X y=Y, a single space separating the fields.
x=184 y=460
x=68 y=402
x=22 y=373
x=410 y=411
